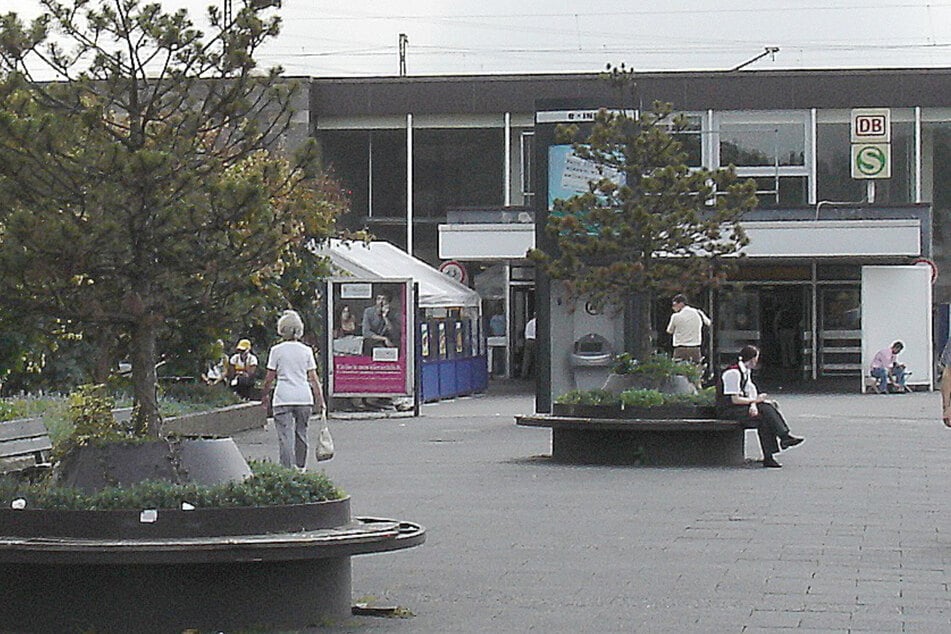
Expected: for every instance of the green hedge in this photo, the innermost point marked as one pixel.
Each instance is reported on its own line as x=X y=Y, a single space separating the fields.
x=270 y=485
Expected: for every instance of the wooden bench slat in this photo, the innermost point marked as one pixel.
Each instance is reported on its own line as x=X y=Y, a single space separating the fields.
x=25 y=446
x=21 y=428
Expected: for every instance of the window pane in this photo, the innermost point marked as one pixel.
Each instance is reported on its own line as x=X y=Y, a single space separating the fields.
x=752 y=145
x=347 y=155
x=690 y=140
x=833 y=164
x=456 y=168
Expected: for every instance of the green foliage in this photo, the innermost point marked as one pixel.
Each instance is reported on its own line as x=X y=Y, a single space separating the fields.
x=651 y=223
x=270 y=484
x=657 y=367
x=655 y=398
x=185 y=398
x=91 y=421
x=146 y=190
x=642 y=398
x=661 y=226
x=588 y=397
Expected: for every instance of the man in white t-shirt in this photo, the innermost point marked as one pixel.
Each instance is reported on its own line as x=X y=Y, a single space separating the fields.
x=528 y=352
x=292 y=369
x=686 y=324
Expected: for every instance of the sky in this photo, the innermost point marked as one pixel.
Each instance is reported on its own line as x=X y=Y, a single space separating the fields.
x=330 y=38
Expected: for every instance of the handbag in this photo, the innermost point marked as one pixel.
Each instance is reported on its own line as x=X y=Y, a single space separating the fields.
x=325 y=442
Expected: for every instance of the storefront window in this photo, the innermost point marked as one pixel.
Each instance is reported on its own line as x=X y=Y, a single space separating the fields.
x=456 y=168
x=833 y=164
x=691 y=140
x=747 y=141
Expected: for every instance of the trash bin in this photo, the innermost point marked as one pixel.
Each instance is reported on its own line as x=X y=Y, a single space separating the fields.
x=591 y=361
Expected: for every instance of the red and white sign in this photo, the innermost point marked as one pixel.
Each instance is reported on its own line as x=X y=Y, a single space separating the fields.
x=871 y=125
x=455 y=270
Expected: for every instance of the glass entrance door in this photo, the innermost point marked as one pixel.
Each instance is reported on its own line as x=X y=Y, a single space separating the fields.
x=776 y=318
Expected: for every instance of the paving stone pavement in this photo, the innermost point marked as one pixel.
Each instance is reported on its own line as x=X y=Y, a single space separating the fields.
x=853 y=534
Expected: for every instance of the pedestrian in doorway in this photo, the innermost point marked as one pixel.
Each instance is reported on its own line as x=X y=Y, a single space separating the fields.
x=945 y=361
x=528 y=352
x=292 y=371
x=740 y=400
x=686 y=325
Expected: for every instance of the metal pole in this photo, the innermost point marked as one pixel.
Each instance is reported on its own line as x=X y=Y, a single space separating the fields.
x=507 y=162
x=403 y=42
x=409 y=184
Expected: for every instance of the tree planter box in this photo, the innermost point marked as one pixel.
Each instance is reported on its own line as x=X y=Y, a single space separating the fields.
x=206 y=569
x=643 y=442
x=628 y=412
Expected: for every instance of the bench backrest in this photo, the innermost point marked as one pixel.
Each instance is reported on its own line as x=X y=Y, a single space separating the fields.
x=24 y=443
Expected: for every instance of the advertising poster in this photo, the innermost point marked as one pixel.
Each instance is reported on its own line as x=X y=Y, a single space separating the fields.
x=569 y=175
x=370 y=338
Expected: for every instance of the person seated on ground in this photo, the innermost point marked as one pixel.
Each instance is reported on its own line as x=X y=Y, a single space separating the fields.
x=887 y=370
x=945 y=361
x=242 y=368
x=740 y=400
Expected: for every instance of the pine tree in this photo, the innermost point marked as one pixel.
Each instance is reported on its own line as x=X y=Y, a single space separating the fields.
x=150 y=184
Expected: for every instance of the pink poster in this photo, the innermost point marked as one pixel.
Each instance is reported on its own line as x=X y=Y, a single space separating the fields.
x=369 y=338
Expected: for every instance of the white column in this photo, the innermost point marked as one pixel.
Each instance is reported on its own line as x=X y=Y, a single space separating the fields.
x=370 y=175
x=507 y=176
x=813 y=134
x=918 y=197
x=409 y=184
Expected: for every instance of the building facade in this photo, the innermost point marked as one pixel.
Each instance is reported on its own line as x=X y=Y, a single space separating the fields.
x=456 y=169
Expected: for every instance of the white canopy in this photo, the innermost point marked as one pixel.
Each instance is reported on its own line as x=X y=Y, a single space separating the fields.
x=382 y=260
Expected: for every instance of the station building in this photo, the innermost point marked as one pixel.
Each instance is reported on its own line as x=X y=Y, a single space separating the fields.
x=455 y=169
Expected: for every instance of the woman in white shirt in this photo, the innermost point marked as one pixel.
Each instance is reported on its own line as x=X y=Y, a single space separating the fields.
x=740 y=400
x=292 y=366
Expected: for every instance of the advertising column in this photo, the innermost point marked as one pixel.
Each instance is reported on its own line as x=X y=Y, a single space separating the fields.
x=371 y=338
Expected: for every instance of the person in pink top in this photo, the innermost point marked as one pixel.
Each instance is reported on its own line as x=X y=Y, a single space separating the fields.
x=885 y=368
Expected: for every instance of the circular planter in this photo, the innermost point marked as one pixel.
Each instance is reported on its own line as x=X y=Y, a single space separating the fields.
x=586 y=411
x=206 y=461
x=206 y=569
x=171 y=570
x=173 y=523
x=658 y=412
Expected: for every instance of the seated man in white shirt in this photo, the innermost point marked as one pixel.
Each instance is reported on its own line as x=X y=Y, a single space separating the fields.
x=740 y=400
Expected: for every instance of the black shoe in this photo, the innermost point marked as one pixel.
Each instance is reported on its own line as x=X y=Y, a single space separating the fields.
x=790 y=441
x=770 y=463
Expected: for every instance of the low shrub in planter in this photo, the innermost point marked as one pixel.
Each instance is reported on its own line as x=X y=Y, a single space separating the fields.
x=270 y=485
x=655 y=398
x=656 y=367
x=588 y=397
x=642 y=398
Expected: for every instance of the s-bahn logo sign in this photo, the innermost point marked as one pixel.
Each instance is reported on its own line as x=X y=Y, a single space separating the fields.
x=871 y=160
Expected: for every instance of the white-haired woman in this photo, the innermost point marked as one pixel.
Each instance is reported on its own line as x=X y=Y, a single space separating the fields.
x=292 y=371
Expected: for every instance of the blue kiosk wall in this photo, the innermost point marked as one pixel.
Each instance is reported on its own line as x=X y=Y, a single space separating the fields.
x=452 y=358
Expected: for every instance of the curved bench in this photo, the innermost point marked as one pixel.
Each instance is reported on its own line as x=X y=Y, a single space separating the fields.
x=648 y=442
x=170 y=582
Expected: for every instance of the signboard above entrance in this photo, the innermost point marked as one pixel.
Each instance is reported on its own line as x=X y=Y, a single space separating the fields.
x=871 y=145
x=871 y=125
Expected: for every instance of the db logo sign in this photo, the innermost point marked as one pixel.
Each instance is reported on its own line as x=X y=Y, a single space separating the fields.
x=871 y=125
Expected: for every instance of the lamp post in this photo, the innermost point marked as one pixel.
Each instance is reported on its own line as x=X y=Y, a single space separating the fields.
x=257 y=5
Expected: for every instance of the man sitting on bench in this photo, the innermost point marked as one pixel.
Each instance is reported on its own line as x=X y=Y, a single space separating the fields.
x=887 y=370
x=740 y=400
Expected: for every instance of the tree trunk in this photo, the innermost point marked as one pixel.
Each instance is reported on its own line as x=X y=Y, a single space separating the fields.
x=145 y=417
x=638 y=336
